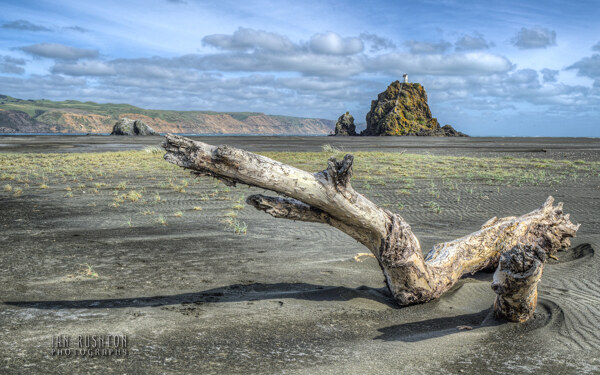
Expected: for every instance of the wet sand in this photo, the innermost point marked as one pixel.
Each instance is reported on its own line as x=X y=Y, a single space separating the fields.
x=287 y=297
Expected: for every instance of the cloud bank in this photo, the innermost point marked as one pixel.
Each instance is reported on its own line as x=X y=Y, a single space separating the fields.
x=59 y=51
x=532 y=38
x=24 y=25
x=300 y=59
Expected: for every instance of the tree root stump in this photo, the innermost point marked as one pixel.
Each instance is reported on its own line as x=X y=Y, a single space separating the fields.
x=515 y=282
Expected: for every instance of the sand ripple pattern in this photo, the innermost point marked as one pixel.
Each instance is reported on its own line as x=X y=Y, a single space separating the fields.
x=574 y=287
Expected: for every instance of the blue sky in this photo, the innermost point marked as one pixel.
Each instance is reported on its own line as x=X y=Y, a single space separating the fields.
x=499 y=68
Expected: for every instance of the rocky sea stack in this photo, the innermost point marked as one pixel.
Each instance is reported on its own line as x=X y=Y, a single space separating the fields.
x=402 y=110
x=345 y=125
x=127 y=126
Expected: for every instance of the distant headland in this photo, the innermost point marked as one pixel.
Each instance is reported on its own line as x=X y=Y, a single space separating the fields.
x=71 y=116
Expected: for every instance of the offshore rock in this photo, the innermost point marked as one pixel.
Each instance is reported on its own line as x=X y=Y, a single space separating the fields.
x=345 y=125
x=127 y=126
x=402 y=109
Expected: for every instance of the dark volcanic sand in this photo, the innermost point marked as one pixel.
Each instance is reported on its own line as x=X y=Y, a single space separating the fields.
x=287 y=297
x=555 y=148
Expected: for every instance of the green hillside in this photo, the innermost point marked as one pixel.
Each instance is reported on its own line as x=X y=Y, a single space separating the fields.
x=75 y=116
x=35 y=108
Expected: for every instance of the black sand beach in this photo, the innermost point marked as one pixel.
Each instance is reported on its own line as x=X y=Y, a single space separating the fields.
x=285 y=297
x=556 y=148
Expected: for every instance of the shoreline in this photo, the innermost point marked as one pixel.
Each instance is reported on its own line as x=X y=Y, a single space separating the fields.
x=552 y=148
x=286 y=135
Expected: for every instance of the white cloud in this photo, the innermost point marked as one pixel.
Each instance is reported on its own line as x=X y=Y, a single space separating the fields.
x=418 y=47
x=376 y=42
x=78 y=29
x=523 y=76
x=24 y=25
x=471 y=43
x=301 y=62
x=85 y=68
x=588 y=67
x=514 y=88
x=472 y=63
x=249 y=50
x=11 y=65
x=317 y=84
x=333 y=44
x=535 y=37
x=59 y=51
x=246 y=39
x=549 y=75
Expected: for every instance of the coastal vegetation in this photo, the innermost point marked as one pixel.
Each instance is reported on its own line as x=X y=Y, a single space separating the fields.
x=143 y=186
x=119 y=171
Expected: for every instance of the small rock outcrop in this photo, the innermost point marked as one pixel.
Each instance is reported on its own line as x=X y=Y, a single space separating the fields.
x=402 y=109
x=444 y=131
x=126 y=126
x=345 y=125
x=7 y=130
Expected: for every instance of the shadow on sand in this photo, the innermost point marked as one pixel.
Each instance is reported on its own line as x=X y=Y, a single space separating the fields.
x=407 y=332
x=438 y=327
x=230 y=293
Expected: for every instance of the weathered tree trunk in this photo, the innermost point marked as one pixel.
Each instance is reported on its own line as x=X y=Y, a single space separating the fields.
x=328 y=197
x=515 y=282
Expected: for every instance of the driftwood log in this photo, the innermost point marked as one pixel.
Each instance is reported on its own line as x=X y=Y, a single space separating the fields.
x=515 y=282
x=328 y=197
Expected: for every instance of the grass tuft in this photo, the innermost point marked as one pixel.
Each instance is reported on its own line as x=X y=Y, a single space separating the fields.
x=237 y=226
x=434 y=207
x=330 y=149
x=134 y=196
x=87 y=270
x=154 y=150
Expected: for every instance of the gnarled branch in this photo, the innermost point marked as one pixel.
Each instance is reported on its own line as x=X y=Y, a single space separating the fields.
x=328 y=197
